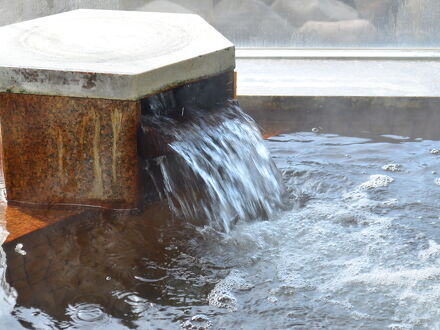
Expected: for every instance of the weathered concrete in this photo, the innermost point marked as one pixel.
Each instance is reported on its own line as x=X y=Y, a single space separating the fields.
x=110 y=54
x=72 y=87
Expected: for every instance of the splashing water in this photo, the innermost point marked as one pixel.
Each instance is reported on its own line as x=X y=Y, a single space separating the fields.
x=218 y=169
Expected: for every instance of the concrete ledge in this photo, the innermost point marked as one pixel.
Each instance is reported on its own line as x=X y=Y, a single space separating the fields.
x=425 y=54
x=416 y=117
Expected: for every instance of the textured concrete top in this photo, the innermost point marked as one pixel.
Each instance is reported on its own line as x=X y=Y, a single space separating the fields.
x=109 y=54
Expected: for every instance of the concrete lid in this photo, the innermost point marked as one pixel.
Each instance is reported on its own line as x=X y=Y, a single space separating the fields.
x=110 y=54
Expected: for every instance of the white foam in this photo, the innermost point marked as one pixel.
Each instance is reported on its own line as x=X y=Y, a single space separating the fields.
x=401 y=278
x=377 y=181
x=197 y=322
x=433 y=251
x=392 y=167
x=222 y=295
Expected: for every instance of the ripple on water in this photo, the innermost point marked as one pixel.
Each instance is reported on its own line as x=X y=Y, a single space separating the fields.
x=87 y=314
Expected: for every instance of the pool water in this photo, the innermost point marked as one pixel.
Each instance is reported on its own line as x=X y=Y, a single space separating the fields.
x=357 y=246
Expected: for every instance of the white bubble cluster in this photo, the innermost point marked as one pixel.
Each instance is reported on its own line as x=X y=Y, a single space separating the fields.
x=222 y=296
x=376 y=181
x=392 y=167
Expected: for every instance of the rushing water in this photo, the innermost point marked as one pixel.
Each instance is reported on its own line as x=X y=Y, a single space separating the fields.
x=218 y=169
x=358 y=247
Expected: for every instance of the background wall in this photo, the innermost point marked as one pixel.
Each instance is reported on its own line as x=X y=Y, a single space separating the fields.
x=280 y=23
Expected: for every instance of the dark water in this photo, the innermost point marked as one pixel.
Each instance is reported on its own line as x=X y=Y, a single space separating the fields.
x=359 y=247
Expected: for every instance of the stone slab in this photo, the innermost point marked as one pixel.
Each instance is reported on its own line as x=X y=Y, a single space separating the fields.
x=110 y=54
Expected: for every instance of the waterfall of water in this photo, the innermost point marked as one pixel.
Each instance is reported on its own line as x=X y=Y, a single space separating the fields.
x=217 y=169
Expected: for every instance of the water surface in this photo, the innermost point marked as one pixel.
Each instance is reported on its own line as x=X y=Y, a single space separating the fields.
x=358 y=247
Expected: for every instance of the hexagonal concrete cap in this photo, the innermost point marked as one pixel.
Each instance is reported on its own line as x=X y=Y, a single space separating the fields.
x=110 y=54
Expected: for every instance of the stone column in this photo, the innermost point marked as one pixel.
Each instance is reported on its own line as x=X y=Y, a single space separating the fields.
x=71 y=87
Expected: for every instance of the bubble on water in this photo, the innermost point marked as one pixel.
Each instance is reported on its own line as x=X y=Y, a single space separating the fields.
x=85 y=314
x=437 y=181
x=283 y=290
x=396 y=326
x=317 y=129
x=390 y=202
x=19 y=249
x=291 y=277
x=392 y=167
x=434 y=172
x=377 y=181
x=272 y=299
x=434 y=151
x=137 y=304
x=222 y=297
x=432 y=252
x=346 y=217
x=359 y=200
x=197 y=322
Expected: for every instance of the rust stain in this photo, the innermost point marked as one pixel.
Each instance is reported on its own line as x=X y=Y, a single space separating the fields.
x=62 y=150
x=116 y=119
x=98 y=185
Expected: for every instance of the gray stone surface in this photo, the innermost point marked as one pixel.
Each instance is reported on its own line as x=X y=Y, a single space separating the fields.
x=336 y=77
x=251 y=22
x=352 y=31
x=298 y=12
x=110 y=54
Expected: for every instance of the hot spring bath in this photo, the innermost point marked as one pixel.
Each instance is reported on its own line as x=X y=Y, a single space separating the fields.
x=357 y=246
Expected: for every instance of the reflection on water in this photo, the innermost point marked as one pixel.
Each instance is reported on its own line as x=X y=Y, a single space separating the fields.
x=356 y=249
